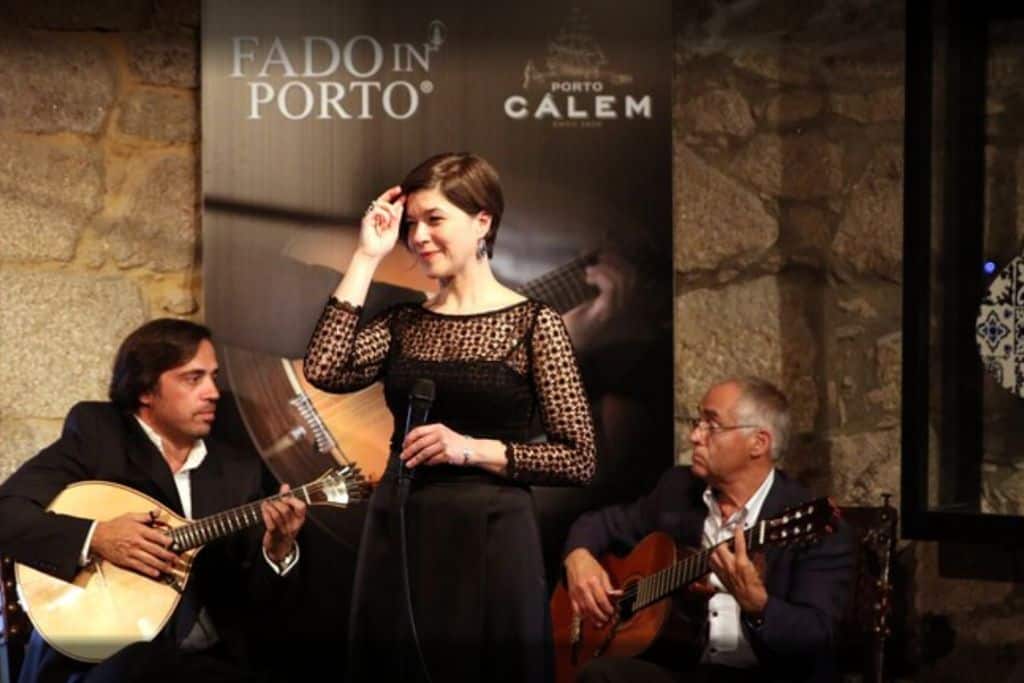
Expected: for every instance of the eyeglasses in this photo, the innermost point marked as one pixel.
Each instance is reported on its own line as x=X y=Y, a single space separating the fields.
x=698 y=423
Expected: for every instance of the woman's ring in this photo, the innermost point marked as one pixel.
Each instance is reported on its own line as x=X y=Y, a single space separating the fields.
x=369 y=209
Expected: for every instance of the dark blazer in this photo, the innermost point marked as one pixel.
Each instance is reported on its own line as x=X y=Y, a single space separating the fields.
x=230 y=577
x=807 y=587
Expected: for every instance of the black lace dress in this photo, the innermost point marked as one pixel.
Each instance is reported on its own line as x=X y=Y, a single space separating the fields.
x=476 y=571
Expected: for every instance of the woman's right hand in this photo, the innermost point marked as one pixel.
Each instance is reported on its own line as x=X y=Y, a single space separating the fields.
x=378 y=232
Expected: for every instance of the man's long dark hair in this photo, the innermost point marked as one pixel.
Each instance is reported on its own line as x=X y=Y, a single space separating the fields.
x=148 y=352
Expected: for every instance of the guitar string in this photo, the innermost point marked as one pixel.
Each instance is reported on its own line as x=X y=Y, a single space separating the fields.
x=203 y=530
x=658 y=585
x=562 y=287
x=552 y=286
x=199 y=531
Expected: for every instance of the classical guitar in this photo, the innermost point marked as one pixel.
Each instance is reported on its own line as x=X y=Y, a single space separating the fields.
x=298 y=428
x=647 y=622
x=105 y=607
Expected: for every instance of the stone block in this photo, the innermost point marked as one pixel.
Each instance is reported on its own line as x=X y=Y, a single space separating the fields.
x=807 y=234
x=51 y=84
x=751 y=328
x=719 y=111
x=51 y=176
x=58 y=335
x=785 y=64
x=165 y=57
x=877 y=62
x=793 y=166
x=718 y=221
x=785 y=109
x=158 y=226
x=34 y=233
x=21 y=439
x=877 y=106
x=179 y=303
x=885 y=380
x=889 y=356
x=161 y=116
x=864 y=466
x=858 y=306
x=870 y=236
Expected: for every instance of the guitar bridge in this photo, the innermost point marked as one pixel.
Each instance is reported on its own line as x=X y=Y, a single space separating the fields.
x=321 y=437
x=613 y=628
x=173 y=581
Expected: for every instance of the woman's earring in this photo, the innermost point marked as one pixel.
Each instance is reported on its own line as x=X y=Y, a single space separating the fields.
x=481 y=249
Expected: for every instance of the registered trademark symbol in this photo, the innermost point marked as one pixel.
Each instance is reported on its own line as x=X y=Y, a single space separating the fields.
x=426 y=87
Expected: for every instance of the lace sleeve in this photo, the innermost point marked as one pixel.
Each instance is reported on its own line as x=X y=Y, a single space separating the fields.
x=341 y=356
x=568 y=456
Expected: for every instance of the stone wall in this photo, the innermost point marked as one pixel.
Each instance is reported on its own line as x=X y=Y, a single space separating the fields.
x=98 y=197
x=788 y=171
x=788 y=197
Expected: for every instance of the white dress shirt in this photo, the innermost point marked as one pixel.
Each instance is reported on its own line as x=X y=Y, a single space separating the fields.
x=183 y=483
x=203 y=634
x=727 y=644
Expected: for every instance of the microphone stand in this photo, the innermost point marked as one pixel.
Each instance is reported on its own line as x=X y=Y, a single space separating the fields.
x=420 y=400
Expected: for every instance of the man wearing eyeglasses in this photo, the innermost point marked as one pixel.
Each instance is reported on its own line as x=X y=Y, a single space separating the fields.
x=769 y=617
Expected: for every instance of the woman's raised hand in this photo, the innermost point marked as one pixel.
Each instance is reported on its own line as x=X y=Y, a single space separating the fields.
x=379 y=229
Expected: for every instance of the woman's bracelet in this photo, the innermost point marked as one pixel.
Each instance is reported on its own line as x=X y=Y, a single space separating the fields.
x=466 y=453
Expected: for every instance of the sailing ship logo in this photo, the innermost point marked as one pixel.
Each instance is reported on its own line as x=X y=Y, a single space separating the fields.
x=574 y=78
x=573 y=55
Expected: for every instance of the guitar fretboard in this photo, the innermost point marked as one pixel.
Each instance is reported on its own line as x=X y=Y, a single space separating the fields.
x=207 y=529
x=653 y=588
x=563 y=288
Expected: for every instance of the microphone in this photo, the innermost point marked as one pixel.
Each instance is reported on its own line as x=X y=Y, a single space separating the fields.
x=421 y=398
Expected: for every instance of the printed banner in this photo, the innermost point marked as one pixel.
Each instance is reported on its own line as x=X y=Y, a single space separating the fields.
x=311 y=109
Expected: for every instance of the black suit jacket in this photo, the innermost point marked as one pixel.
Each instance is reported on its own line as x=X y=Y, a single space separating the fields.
x=807 y=588
x=230 y=577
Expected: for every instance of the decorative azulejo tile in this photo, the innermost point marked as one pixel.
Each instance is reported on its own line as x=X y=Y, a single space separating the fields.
x=999 y=328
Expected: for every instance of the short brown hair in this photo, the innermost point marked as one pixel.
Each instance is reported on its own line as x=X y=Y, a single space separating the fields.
x=466 y=180
x=147 y=353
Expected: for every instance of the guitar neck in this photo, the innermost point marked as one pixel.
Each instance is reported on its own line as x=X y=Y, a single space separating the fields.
x=661 y=584
x=563 y=288
x=208 y=529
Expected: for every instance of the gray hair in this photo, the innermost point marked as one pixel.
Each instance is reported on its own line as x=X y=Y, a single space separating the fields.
x=762 y=403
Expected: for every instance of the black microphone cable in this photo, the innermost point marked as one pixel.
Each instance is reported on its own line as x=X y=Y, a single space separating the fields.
x=420 y=400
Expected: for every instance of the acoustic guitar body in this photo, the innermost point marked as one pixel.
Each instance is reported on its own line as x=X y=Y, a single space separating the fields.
x=104 y=608
x=663 y=632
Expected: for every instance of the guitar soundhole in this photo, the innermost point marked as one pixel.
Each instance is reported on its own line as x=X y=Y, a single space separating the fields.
x=627 y=601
